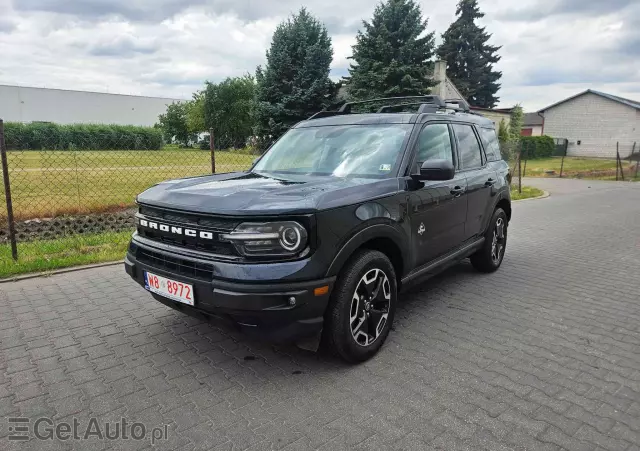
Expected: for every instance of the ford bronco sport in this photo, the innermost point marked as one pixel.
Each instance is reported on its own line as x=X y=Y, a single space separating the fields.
x=316 y=240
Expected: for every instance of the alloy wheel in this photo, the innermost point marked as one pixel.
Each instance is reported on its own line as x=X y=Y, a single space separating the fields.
x=370 y=306
x=498 y=242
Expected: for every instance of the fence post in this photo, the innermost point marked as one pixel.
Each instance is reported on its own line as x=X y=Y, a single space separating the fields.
x=7 y=193
x=213 y=153
x=520 y=171
x=637 y=160
x=619 y=164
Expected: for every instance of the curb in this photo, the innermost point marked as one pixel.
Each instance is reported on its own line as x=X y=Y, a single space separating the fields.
x=58 y=271
x=544 y=195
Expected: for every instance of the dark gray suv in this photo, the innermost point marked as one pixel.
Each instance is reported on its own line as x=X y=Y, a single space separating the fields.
x=316 y=240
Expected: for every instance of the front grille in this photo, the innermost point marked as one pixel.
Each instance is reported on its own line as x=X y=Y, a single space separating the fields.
x=214 y=224
x=175 y=265
x=213 y=246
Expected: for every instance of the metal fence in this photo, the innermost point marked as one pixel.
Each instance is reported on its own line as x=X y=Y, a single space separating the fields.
x=55 y=193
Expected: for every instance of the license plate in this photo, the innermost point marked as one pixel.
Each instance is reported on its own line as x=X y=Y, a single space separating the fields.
x=172 y=289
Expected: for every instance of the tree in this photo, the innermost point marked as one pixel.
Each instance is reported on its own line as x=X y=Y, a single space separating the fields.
x=503 y=133
x=195 y=113
x=228 y=110
x=174 y=123
x=391 y=56
x=470 y=60
x=295 y=82
x=516 y=123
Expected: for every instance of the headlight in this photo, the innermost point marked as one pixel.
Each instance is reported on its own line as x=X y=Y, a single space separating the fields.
x=270 y=239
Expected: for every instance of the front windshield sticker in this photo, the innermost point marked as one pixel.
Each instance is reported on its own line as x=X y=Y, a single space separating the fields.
x=385 y=167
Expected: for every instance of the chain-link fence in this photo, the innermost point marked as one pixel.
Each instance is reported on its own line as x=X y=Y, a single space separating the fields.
x=66 y=180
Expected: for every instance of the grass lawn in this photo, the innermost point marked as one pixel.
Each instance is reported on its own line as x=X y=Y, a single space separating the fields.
x=51 y=183
x=527 y=192
x=574 y=168
x=39 y=256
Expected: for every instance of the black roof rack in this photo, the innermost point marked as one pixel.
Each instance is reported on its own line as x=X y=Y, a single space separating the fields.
x=436 y=100
x=427 y=104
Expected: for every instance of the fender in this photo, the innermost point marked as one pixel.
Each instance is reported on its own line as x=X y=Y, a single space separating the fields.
x=369 y=233
x=501 y=196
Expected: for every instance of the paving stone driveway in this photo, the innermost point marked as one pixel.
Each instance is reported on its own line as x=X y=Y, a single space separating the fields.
x=545 y=354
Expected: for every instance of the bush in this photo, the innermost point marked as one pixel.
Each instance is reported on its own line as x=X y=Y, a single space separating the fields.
x=536 y=147
x=39 y=136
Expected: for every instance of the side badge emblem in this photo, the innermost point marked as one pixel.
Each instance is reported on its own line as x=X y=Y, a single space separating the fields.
x=421 y=229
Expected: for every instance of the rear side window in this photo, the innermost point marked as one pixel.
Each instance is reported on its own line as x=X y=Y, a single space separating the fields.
x=491 y=144
x=468 y=147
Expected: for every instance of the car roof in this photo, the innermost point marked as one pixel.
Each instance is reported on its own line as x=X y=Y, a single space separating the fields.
x=394 y=118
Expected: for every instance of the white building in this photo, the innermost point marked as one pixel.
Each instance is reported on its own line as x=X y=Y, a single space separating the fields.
x=532 y=124
x=24 y=104
x=594 y=123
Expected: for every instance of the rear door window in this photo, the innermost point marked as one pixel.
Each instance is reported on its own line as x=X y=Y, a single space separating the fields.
x=468 y=147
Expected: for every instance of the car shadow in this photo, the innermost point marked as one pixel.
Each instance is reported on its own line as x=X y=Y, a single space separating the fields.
x=238 y=352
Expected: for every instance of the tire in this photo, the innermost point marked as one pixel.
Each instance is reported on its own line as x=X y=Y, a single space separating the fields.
x=349 y=322
x=486 y=260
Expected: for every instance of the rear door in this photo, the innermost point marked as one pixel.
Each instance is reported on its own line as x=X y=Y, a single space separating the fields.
x=480 y=179
x=438 y=209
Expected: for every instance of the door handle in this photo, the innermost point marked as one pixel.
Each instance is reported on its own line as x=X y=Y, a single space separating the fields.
x=490 y=182
x=457 y=191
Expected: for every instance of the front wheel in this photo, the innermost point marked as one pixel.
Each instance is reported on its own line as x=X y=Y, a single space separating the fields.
x=489 y=258
x=362 y=307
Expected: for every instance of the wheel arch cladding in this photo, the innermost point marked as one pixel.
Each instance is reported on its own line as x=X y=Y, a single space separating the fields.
x=506 y=206
x=384 y=239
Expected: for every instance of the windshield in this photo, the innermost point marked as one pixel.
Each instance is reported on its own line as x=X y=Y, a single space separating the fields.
x=340 y=151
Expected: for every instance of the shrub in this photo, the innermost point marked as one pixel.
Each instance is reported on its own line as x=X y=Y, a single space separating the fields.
x=536 y=147
x=39 y=136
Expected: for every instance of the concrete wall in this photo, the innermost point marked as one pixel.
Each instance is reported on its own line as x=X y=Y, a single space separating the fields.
x=19 y=104
x=496 y=117
x=597 y=122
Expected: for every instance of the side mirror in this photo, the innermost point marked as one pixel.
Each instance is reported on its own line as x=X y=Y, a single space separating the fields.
x=436 y=170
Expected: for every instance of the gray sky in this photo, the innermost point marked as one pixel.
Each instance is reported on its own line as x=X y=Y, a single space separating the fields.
x=551 y=48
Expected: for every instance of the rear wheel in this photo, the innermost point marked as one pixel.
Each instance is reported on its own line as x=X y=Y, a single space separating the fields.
x=362 y=307
x=489 y=258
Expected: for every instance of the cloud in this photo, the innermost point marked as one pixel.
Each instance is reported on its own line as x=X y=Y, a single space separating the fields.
x=6 y=25
x=550 y=48
x=135 y=10
x=123 y=47
x=542 y=9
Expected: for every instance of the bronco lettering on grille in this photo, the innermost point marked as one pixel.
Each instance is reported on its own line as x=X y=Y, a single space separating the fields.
x=175 y=230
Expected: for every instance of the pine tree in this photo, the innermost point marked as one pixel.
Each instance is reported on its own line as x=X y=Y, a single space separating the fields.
x=470 y=60
x=295 y=82
x=391 y=56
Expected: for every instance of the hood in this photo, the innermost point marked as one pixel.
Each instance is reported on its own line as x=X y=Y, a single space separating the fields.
x=253 y=194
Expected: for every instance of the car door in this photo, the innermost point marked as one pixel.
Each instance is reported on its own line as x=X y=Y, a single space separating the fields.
x=480 y=178
x=438 y=209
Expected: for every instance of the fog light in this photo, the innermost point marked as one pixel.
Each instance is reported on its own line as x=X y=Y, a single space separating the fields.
x=292 y=301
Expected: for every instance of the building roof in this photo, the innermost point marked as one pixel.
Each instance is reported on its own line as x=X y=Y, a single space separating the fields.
x=632 y=103
x=92 y=92
x=532 y=119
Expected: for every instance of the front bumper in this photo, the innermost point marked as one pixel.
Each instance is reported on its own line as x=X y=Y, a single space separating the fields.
x=260 y=310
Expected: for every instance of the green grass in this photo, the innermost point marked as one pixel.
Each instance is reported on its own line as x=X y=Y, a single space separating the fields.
x=52 y=183
x=47 y=255
x=588 y=168
x=527 y=192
